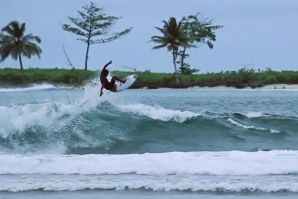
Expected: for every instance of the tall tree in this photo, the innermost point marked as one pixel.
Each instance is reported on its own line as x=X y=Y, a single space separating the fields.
x=185 y=67
x=14 y=43
x=201 y=30
x=91 y=23
x=172 y=37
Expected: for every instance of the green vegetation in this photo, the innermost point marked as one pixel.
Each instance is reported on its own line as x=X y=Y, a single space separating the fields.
x=199 y=31
x=9 y=76
x=172 y=37
x=92 y=23
x=185 y=34
x=242 y=78
x=13 y=42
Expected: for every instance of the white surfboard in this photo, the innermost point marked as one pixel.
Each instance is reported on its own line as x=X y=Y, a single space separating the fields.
x=130 y=80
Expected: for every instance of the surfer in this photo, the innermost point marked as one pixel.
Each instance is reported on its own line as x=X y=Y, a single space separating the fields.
x=105 y=82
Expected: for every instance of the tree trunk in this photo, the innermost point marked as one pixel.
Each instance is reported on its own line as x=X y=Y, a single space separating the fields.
x=182 y=60
x=22 y=70
x=174 y=61
x=86 y=59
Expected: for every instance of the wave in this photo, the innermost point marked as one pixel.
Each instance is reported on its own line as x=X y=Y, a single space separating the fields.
x=106 y=125
x=159 y=113
x=33 y=87
x=251 y=127
x=150 y=183
x=172 y=163
x=227 y=171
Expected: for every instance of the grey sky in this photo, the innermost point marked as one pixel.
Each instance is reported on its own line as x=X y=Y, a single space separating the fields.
x=259 y=32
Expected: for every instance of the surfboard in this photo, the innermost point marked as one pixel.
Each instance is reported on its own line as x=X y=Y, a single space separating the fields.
x=130 y=80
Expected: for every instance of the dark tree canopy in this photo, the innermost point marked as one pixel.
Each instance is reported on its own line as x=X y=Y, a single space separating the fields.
x=173 y=37
x=91 y=24
x=201 y=31
x=13 y=42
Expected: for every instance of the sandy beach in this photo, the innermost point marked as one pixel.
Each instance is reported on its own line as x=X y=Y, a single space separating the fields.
x=271 y=86
x=281 y=86
x=50 y=86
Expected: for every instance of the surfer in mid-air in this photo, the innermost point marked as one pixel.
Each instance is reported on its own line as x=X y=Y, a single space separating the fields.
x=105 y=82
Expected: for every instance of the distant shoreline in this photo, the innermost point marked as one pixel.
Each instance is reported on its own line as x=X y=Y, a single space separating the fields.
x=78 y=78
x=271 y=86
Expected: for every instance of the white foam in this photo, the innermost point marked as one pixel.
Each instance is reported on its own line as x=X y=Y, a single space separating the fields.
x=254 y=114
x=47 y=117
x=158 y=113
x=173 y=163
x=17 y=117
x=246 y=126
x=274 y=131
x=155 y=183
x=31 y=88
x=252 y=127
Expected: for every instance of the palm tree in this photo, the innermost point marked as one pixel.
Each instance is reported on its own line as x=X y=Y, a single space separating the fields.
x=173 y=37
x=14 y=43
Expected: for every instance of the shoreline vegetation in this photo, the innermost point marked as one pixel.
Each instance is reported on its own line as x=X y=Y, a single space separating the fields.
x=77 y=78
x=92 y=28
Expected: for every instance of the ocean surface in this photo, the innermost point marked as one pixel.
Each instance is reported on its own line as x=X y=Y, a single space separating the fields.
x=140 y=143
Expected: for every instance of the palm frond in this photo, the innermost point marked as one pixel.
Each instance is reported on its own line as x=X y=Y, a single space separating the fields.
x=158 y=39
x=5 y=51
x=14 y=43
x=14 y=30
x=15 y=51
x=31 y=49
x=160 y=46
x=30 y=37
x=170 y=47
x=161 y=30
x=4 y=39
x=22 y=30
x=8 y=30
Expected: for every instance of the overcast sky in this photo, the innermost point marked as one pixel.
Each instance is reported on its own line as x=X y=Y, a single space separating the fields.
x=258 y=33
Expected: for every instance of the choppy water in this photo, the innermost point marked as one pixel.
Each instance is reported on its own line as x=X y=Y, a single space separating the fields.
x=164 y=141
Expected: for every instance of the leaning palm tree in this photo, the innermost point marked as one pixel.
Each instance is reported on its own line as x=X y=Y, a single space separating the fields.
x=14 y=43
x=173 y=37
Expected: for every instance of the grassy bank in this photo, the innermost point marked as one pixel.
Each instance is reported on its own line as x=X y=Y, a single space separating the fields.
x=238 y=79
x=9 y=76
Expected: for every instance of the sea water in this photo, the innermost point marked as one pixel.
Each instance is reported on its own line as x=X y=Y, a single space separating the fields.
x=140 y=143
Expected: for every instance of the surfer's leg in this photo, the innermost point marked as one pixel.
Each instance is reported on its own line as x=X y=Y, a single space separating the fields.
x=113 y=85
x=118 y=79
x=114 y=88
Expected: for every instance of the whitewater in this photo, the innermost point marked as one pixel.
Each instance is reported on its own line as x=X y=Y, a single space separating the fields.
x=162 y=143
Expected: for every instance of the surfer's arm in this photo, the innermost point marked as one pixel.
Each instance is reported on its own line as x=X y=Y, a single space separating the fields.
x=101 y=89
x=106 y=65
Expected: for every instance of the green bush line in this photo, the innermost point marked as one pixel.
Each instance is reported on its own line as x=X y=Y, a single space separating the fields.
x=239 y=79
x=11 y=76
